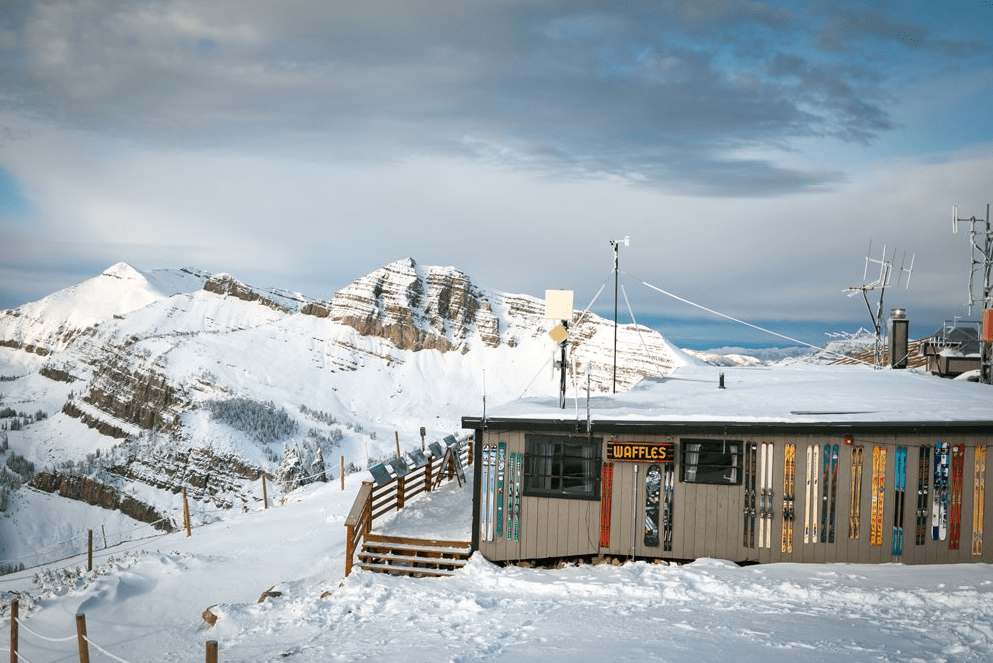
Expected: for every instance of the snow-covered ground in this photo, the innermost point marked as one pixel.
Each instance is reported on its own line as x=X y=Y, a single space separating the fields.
x=144 y=601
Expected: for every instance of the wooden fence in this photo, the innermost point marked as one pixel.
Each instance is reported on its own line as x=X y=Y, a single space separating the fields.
x=373 y=502
x=81 y=639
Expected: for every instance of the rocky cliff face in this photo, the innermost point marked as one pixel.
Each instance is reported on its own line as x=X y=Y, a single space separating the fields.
x=142 y=358
x=418 y=308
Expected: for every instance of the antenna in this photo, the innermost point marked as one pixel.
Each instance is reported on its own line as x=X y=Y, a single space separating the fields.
x=880 y=283
x=981 y=243
x=616 y=244
x=558 y=305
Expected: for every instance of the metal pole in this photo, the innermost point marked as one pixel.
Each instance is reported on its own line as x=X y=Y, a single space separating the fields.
x=986 y=375
x=615 y=313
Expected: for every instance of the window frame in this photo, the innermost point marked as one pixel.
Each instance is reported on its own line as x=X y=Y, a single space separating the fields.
x=724 y=464
x=562 y=467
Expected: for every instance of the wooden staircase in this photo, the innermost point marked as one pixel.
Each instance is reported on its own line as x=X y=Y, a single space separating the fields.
x=399 y=555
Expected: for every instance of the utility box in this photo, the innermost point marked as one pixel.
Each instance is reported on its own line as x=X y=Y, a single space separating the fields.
x=898 y=338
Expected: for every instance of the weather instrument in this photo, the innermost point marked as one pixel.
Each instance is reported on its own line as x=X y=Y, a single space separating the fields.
x=616 y=244
x=881 y=282
x=558 y=306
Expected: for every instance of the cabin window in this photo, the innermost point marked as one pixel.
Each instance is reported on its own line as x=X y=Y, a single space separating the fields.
x=556 y=466
x=711 y=461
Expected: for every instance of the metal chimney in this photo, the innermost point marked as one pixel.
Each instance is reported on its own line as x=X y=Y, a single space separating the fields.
x=898 y=338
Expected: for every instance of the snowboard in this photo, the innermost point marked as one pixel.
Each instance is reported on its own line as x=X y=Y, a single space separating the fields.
x=653 y=493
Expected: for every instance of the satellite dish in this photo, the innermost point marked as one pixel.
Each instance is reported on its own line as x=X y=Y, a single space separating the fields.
x=558 y=304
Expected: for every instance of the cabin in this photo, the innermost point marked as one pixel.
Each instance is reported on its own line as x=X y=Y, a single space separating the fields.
x=785 y=463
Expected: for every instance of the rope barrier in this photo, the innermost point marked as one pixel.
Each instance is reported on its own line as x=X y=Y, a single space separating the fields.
x=103 y=651
x=21 y=623
x=22 y=657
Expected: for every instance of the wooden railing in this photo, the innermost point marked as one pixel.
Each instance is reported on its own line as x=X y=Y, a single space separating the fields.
x=373 y=502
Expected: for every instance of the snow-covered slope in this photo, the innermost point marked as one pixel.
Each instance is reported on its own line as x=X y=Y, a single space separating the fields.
x=144 y=601
x=147 y=383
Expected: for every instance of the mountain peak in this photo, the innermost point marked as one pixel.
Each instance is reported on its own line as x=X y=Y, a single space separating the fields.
x=122 y=270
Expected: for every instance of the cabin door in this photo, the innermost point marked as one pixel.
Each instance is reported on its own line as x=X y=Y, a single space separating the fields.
x=634 y=496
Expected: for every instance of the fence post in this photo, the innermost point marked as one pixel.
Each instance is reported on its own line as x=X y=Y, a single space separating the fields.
x=427 y=475
x=396 y=434
x=186 y=513
x=84 y=648
x=342 y=474
x=13 y=631
x=349 y=548
x=400 y=493
x=212 y=651
x=265 y=494
x=89 y=550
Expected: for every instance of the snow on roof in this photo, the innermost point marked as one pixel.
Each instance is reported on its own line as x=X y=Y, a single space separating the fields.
x=790 y=393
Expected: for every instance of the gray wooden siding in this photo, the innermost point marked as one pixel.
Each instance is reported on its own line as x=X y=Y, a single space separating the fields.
x=708 y=521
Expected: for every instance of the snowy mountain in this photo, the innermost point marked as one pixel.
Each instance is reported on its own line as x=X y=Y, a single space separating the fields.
x=125 y=388
x=129 y=387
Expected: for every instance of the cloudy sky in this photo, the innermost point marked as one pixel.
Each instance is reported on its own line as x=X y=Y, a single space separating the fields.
x=752 y=151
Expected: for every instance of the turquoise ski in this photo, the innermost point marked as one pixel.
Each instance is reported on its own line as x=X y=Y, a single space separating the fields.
x=900 y=485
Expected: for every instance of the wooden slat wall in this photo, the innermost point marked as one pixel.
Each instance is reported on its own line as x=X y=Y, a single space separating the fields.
x=709 y=520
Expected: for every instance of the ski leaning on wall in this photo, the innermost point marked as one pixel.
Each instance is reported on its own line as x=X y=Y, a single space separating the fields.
x=923 y=465
x=501 y=469
x=878 y=485
x=789 y=465
x=939 y=502
x=825 y=479
x=748 y=536
x=899 y=498
x=833 y=509
x=958 y=467
x=484 y=525
x=855 y=493
x=810 y=505
x=669 y=490
x=513 y=496
x=766 y=512
x=978 y=499
x=606 y=489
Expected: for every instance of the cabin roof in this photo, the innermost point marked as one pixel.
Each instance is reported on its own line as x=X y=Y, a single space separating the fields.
x=799 y=394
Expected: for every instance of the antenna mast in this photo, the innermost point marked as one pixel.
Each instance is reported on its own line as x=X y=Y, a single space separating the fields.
x=881 y=283
x=616 y=244
x=981 y=243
